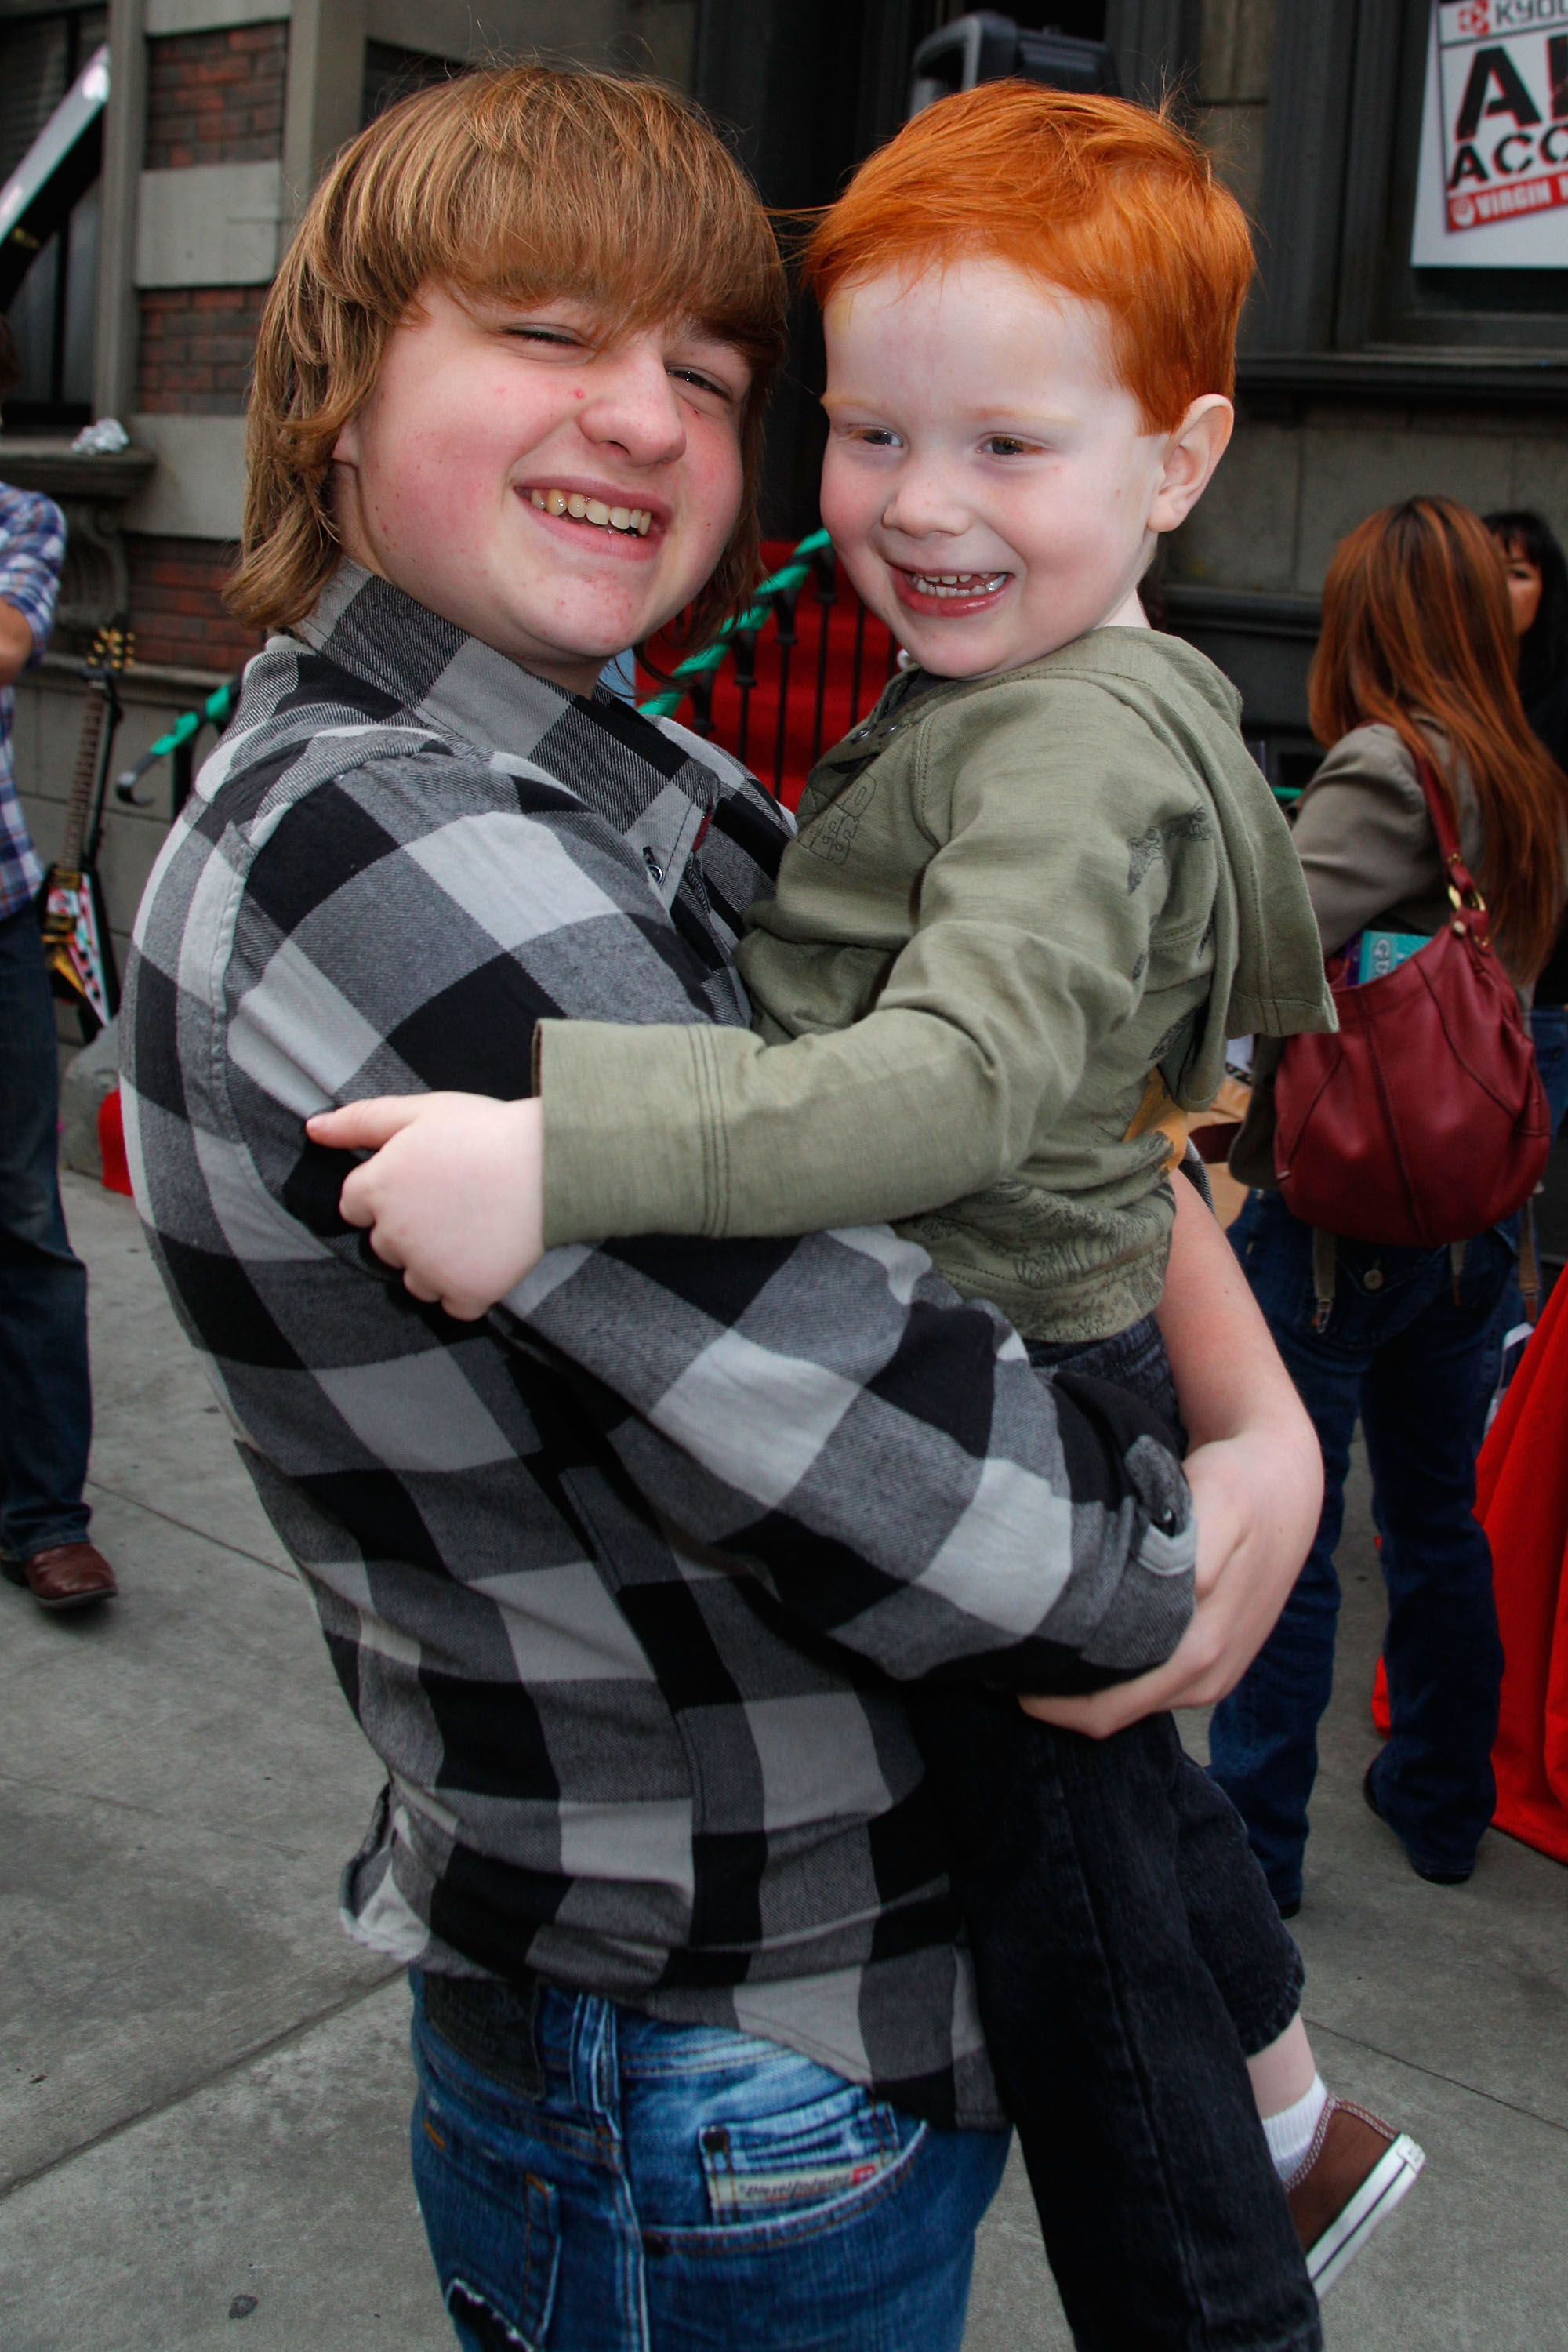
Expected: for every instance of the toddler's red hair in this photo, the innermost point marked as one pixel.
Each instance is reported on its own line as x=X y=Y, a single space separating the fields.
x=1098 y=197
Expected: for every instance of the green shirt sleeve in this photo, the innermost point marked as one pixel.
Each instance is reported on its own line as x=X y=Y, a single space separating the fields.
x=1033 y=934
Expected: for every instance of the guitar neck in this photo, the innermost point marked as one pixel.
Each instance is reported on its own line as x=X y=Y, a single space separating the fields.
x=74 y=837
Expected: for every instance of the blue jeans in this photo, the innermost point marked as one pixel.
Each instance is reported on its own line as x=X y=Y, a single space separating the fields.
x=45 y=1401
x=1549 y=1028
x=1402 y=1354
x=592 y=2180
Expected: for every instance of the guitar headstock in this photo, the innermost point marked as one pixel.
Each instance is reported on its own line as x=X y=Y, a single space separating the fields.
x=113 y=646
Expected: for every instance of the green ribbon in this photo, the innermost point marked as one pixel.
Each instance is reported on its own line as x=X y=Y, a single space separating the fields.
x=793 y=574
x=215 y=708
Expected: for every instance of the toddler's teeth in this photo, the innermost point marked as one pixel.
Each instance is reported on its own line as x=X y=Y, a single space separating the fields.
x=597 y=511
x=620 y=517
x=644 y=522
x=576 y=505
x=556 y=502
x=536 y=497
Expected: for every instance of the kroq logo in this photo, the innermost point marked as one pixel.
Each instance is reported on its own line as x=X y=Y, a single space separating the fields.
x=1476 y=17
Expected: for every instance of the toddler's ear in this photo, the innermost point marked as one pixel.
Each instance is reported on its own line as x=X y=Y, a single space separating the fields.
x=1193 y=451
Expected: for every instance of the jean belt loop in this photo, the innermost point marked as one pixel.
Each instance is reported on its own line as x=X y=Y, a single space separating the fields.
x=1457 y=1265
x=1324 y=1272
x=593 y=2055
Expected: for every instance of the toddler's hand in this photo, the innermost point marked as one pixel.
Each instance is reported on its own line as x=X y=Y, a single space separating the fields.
x=454 y=1195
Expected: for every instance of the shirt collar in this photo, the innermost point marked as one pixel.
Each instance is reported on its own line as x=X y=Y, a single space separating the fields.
x=661 y=798
x=430 y=667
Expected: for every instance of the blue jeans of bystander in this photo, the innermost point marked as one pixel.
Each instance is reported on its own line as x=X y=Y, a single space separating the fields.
x=596 y=2181
x=45 y=1403
x=1410 y=1360
x=1549 y=1028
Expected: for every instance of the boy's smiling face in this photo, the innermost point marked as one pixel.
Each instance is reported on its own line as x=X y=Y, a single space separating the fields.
x=989 y=484
x=557 y=495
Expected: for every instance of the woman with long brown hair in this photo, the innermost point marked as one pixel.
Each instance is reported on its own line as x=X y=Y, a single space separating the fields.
x=1415 y=670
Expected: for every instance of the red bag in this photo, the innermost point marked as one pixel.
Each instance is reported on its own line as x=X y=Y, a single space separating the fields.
x=1423 y=1120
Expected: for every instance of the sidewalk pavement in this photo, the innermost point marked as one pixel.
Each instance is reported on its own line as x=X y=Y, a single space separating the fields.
x=205 y=2086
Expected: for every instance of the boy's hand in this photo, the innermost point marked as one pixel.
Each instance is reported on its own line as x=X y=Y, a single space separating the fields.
x=1257 y=1497
x=454 y=1195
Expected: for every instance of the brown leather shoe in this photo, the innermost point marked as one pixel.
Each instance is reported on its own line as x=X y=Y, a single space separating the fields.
x=66 y=1575
x=1353 y=2175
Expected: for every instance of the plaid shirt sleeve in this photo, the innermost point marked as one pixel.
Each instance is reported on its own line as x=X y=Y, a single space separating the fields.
x=31 y=554
x=823 y=1413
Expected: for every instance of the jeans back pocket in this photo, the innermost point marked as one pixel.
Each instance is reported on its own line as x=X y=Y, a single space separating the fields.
x=769 y=2164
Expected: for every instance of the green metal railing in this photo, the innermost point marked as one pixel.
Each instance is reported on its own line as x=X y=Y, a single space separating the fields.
x=175 y=747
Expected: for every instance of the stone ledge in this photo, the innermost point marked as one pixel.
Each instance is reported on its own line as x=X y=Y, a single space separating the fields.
x=143 y=682
x=1406 y=378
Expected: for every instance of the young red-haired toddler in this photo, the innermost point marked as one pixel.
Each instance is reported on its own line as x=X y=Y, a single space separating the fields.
x=1030 y=899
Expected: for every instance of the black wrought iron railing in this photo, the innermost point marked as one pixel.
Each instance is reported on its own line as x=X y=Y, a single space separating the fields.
x=796 y=687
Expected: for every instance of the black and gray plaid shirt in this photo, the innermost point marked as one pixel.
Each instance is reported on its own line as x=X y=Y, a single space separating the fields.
x=621 y=1583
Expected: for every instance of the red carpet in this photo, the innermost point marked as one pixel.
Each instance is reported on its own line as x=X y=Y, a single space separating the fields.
x=747 y=723
x=1521 y=1500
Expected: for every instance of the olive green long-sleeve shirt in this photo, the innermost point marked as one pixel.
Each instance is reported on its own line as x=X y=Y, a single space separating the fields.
x=1010 y=900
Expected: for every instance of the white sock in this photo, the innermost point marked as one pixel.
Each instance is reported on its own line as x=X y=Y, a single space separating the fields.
x=1290 y=2133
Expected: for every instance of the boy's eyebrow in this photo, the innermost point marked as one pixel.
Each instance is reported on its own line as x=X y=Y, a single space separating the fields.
x=998 y=420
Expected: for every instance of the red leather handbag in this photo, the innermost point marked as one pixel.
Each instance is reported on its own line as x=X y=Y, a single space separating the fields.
x=1423 y=1120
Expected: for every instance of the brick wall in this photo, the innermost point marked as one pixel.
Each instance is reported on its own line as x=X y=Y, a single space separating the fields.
x=176 y=603
x=215 y=98
x=196 y=350
x=211 y=98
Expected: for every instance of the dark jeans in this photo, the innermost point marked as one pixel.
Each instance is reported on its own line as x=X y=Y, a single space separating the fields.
x=1401 y=1354
x=1549 y=1029
x=1129 y=1958
x=45 y=1403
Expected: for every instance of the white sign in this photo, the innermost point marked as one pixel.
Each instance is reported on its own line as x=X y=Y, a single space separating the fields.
x=1493 y=186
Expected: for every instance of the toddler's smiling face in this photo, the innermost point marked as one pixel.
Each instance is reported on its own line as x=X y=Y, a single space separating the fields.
x=990 y=486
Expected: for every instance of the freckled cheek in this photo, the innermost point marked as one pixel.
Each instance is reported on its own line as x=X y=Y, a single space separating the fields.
x=850 y=504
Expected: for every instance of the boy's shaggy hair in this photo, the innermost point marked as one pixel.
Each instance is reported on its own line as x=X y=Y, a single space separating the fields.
x=520 y=182
x=1100 y=198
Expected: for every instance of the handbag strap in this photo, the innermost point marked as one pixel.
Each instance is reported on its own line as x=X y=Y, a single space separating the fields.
x=1463 y=887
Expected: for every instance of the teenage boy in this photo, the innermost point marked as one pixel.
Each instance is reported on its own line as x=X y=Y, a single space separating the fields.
x=620 y=1584
x=46 y=1395
x=1032 y=896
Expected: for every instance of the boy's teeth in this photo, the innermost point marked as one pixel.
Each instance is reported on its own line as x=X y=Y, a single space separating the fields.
x=957 y=583
x=595 y=511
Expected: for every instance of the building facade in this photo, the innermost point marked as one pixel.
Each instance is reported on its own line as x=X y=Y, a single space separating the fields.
x=1406 y=334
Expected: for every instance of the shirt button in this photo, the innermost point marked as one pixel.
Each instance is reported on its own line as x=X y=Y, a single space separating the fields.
x=654 y=868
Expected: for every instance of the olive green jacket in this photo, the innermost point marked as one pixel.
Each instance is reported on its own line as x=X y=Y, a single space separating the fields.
x=1010 y=900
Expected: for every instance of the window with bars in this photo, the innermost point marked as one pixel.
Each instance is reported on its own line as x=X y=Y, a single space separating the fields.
x=52 y=312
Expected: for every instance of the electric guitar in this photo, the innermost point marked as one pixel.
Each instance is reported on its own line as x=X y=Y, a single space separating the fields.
x=78 y=949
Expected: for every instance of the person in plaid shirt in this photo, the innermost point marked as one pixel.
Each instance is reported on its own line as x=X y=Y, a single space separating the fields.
x=45 y=1401
x=623 y=1582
